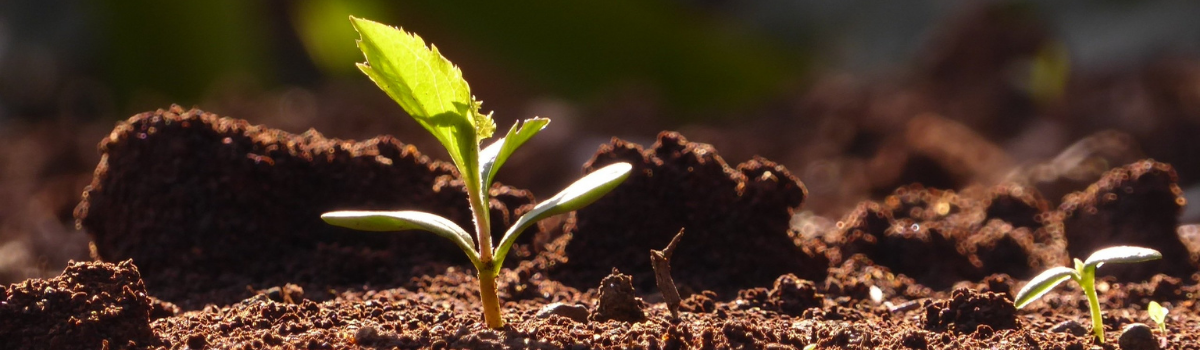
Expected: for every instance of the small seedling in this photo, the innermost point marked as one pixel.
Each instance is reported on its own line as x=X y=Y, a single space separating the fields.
x=432 y=90
x=1158 y=313
x=1084 y=274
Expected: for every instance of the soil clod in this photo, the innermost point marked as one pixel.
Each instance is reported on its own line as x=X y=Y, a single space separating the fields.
x=574 y=312
x=188 y=195
x=966 y=310
x=617 y=300
x=1137 y=204
x=1137 y=336
x=1071 y=327
x=737 y=220
x=90 y=304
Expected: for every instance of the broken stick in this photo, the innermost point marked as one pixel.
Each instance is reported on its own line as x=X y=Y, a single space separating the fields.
x=661 y=262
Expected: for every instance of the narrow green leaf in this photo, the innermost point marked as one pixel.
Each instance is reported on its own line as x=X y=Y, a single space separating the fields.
x=1122 y=254
x=494 y=156
x=428 y=87
x=577 y=195
x=1043 y=283
x=381 y=221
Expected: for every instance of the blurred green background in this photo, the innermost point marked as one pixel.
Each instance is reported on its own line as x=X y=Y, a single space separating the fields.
x=697 y=60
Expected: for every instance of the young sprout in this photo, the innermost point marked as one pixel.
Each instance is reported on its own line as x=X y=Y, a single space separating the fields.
x=432 y=90
x=1158 y=313
x=1084 y=274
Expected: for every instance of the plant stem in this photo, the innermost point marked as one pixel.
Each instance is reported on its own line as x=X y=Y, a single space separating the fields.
x=1088 y=283
x=487 y=269
x=491 y=303
x=483 y=227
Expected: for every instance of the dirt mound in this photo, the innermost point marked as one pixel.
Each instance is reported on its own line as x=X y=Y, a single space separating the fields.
x=210 y=205
x=1136 y=204
x=790 y=295
x=968 y=311
x=736 y=221
x=939 y=237
x=92 y=305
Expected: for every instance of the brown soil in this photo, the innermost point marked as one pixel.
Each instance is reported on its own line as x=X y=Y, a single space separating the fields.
x=222 y=263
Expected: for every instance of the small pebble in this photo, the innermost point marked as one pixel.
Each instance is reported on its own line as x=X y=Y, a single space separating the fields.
x=1137 y=336
x=366 y=334
x=876 y=294
x=905 y=306
x=1070 y=327
x=577 y=313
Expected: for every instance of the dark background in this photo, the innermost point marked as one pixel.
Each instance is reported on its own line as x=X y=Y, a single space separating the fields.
x=854 y=97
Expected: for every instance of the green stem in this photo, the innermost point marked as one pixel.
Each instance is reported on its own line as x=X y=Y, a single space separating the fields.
x=1088 y=283
x=483 y=227
x=478 y=197
x=491 y=302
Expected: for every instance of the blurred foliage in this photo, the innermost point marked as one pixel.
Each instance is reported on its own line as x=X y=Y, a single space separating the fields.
x=324 y=28
x=697 y=62
x=178 y=48
x=691 y=61
x=1049 y=73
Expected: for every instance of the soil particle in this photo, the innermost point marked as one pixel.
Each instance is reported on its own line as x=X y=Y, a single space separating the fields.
x=1071 y=327
x=737 y=220
x=968 y=311
x=92 y=305
x=1137 y=336
x=617 y=300
x=703 y=302
x=1016 y=204
x=289 y=293
x=790 y=295
x=574 y=312
x=1137 y=204
x=208 y=205
x=914 y=339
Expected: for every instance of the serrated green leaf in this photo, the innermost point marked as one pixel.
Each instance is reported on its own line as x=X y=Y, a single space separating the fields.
x=578 y=195
x=1121 y=254
x=429 y=88
x=494 y=156
x=1043 y=283
x=383 y=221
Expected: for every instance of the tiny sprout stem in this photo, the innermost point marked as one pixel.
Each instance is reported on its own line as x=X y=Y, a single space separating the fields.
x=491 y=303
x=487 y=267
x=483 y=226
x=1088 y=283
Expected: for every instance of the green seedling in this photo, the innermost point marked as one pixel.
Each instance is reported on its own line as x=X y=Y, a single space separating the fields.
x=1158 y=313
x=1084 y=274
x=432 y=90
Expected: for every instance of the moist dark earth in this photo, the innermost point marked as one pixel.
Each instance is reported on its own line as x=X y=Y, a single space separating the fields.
x=206 y=234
